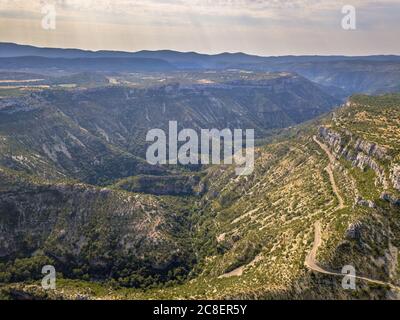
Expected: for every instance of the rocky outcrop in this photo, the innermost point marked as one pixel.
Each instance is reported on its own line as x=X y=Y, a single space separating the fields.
x=353 y=232
x=333 y=139
x=363 y=161
x=390 y=198
x=395 y=177
x=15 y=105
x=365 y=203
x=362 y=154
x=371 y=149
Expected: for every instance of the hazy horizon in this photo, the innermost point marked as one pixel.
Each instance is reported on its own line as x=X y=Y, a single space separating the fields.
x=197 y=52
x=260 y=27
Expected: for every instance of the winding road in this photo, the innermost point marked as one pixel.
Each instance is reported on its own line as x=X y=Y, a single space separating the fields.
x=311 y=259
x=329 y=169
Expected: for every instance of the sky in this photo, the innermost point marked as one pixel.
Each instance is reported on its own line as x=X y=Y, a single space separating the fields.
x=262 y=27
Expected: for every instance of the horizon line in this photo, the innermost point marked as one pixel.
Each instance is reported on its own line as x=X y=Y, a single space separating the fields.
x=202 y=53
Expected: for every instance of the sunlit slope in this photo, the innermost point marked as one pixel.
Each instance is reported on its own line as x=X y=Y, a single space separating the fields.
x=261 y=228
x=255 y=236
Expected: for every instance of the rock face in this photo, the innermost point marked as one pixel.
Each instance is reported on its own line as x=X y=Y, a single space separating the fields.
x=354 y=231
x=11 y=106
x=362 y=161
x=365 y=203
x=371 y=149
x=360 y=153
x=395 y=177
x=390 y=198
x=333 y=139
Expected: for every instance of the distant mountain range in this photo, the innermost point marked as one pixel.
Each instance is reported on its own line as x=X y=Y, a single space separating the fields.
x=17 y=50
x=340 y=76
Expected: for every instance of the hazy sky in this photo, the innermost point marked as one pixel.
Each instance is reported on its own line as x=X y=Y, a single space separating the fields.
x=265 y=27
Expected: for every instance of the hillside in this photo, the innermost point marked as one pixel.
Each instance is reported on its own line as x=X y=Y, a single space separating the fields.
x=89 y=232
x=349 y=76
x=323 y=195
x=97 y=135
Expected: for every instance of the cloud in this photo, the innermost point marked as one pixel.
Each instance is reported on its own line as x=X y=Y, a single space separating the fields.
x=219 y=7
x=260 y=26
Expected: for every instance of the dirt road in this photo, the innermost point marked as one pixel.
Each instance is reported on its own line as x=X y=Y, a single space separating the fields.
x=312 y=263
x=329 y=169
x=311 y=259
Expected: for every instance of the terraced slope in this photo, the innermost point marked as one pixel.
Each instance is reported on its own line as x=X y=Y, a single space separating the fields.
x=254 y=236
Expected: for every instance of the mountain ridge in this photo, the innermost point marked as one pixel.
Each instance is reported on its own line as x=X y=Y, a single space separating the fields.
x=169 y=51
x=340 y=76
